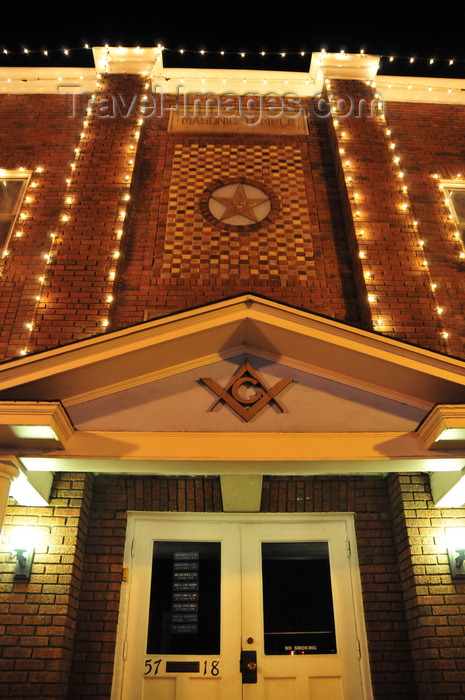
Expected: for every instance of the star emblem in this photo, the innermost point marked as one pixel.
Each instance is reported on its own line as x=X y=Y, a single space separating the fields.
x=246 y=392
x=239 y=204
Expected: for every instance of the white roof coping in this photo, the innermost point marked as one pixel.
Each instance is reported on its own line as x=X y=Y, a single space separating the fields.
x=148 y=61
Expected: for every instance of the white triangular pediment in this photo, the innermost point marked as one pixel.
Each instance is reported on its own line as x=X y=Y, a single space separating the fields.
x=278 y=334
x=182 y=402
x=137 y=393
x=150 y=399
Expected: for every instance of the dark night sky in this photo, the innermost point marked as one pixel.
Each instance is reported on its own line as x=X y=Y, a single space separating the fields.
x=234 y=26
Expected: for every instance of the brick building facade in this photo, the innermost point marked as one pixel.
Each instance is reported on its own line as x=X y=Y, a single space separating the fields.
x=214 y=321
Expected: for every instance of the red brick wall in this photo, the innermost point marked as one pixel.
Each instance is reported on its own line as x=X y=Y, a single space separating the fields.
x=434 y=602
x=301 y=258
x=38 y=618
x=34 y=132
x=79 y=281
x=430 y=141
x=171 y=257
x=397 y=230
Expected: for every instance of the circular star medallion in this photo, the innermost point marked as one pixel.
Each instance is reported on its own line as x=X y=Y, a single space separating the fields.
x=240 y=204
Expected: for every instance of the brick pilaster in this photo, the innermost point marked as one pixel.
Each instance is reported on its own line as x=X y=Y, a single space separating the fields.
x=434 y=603
x=38 y=618
x=394 y=279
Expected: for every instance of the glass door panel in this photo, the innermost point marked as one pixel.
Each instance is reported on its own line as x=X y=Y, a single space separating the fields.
x=185 y=600
x=298 y=614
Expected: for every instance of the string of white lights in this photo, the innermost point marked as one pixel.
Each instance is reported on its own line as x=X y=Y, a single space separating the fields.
x=405 y=207
x=456 y=237
x=55 y=237
x=71 y=198
x=356 y=201
x=357 y=198
x=391 y=57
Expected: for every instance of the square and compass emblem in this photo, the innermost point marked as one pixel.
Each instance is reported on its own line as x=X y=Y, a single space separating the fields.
x=246 y=393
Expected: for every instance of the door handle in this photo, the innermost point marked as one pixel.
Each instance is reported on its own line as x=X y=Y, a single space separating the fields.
x=248 y=666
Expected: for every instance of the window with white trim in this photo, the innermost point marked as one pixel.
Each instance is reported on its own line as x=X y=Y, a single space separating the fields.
x=13 y=185
x=455 y=197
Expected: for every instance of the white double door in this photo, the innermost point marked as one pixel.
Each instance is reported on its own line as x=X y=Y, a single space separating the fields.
x=253 y=608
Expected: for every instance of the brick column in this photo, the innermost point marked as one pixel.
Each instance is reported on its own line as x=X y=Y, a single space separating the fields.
x=392 y=268
x=79 y=287
x=434 y=603
x=38 y=617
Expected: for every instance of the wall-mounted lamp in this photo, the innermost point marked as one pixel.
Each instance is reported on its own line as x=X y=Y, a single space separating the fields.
x=455 y=539
x=24 y=559
x=22 y=547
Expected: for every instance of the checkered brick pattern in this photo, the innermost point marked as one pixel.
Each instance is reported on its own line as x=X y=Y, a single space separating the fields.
x=194 y=247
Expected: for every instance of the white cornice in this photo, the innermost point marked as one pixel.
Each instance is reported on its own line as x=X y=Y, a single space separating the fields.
x=238 y=82
x=123 y=59
x=34 y=425
x=444 y=427
x=47 y=81
x=394 y=88
x=148 y=61
x=345 y=66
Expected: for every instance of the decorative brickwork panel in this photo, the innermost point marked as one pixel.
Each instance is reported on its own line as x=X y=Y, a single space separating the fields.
x=176 y=258
x=281 y=248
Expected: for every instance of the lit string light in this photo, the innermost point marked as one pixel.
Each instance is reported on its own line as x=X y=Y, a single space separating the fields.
x=391 y=57
x=65 y=216
x=47 y=256
x=456 y=237
x=23 y=222
x=356 y=202
x=55 y=237
x=405 y=208
x=420 y=85
x=121 y=214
